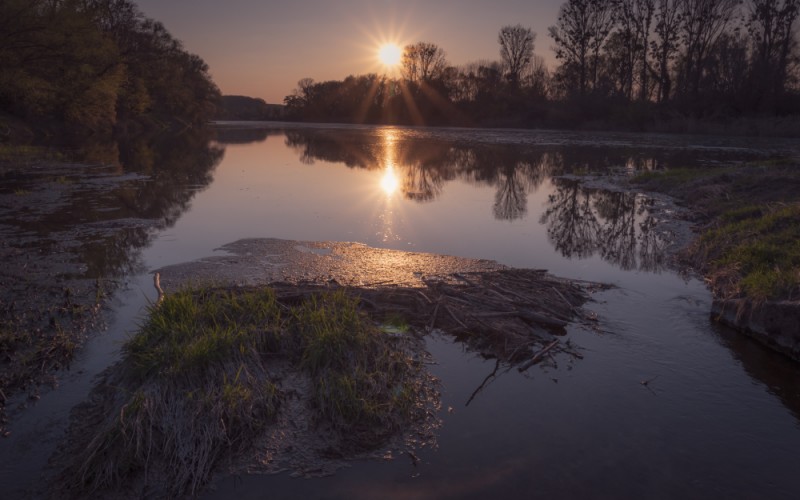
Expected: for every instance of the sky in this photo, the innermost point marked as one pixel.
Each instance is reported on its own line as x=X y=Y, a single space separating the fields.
x=261 y=48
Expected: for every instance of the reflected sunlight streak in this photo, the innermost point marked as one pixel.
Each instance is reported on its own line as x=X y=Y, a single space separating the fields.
x=389 y=181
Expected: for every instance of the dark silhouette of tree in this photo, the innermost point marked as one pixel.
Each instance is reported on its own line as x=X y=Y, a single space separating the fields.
x=771 y=25
x=579 y=34
x=516 y=50
x=632 y=64
x=423 y=62
x=664 y=47
x=634 y=19
x=723 y=85
x=536 y=79
x=703 y=21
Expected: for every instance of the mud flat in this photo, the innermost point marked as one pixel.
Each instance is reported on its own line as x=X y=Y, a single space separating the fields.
x=63 y=240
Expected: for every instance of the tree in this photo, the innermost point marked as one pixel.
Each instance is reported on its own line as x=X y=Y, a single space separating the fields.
x=90 y=64
x=771 y=26
x=634 y=19
x=579 y=34
x=664 y=47
x=703 y=21
x=423 y=62
x=516 y=49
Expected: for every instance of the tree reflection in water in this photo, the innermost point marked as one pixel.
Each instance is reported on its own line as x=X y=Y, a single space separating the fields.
x=581 y=222
x=615 y=225
x=104 y=213
x=423 y=166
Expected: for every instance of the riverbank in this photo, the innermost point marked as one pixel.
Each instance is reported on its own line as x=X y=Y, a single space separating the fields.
x=747 y=219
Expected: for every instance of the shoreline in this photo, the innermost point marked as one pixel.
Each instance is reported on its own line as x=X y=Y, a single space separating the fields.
x=771 y=318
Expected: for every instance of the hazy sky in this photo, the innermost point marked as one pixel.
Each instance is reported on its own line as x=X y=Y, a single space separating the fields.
x=261 y=48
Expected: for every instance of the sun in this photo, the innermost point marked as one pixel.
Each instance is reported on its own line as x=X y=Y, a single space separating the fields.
x=389 y=54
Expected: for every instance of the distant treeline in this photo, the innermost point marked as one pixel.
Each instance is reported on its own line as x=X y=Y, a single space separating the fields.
x=629 y=63
x=95 y=66
x=238 y=107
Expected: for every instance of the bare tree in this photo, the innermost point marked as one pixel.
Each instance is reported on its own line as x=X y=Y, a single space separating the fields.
x=579 y=33
x=634 y=18
x=664 y=47
x=423 y=62
x=771 y=26
x=516 y=49
x=536 y=78
x=703 y=21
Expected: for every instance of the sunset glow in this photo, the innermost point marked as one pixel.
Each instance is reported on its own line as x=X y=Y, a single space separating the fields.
x=389 y=54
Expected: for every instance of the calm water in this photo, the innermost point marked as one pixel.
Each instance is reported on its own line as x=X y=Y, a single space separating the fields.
x=721 y=417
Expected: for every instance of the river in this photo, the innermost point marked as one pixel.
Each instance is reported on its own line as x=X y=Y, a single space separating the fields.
x=718 y=416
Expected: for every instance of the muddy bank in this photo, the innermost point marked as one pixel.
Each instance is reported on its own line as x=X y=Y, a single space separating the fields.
x=260 y=261
x=71 y=234
x=516 y=316
x=56 y=221
x=773 y=323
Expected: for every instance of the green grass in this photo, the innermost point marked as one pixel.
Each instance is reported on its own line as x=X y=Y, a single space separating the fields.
x=194 y=381
x=751 y=247
x=762 y=246
x=360 y=379
x=668 y=180
x=191 y=330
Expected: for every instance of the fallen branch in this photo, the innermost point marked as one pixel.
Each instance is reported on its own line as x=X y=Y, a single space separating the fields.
x=538 y=356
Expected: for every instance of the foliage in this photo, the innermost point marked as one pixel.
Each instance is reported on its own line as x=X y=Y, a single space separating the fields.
x=85 y=66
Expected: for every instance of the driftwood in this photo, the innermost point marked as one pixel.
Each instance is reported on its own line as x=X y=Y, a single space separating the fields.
x=514 y=315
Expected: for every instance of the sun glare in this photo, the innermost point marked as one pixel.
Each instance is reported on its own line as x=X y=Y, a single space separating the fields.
x=390 y=54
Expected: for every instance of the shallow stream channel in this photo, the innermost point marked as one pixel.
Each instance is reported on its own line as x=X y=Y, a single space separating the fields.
x=664 y=403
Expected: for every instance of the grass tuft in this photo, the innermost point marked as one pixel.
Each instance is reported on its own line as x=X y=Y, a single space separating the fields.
x=194 y=383
x=362 y=381
x=762 y=246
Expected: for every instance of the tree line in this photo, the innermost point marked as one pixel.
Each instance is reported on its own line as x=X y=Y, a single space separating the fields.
x=96 y=66
x=622 y=62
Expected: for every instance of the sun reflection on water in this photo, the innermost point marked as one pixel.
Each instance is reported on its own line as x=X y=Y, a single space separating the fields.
x=389 y=181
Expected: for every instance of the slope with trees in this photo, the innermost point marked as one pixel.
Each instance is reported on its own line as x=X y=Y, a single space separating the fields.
x=92 y=66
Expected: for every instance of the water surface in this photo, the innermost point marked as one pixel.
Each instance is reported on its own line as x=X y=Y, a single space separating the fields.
x=720 y=416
